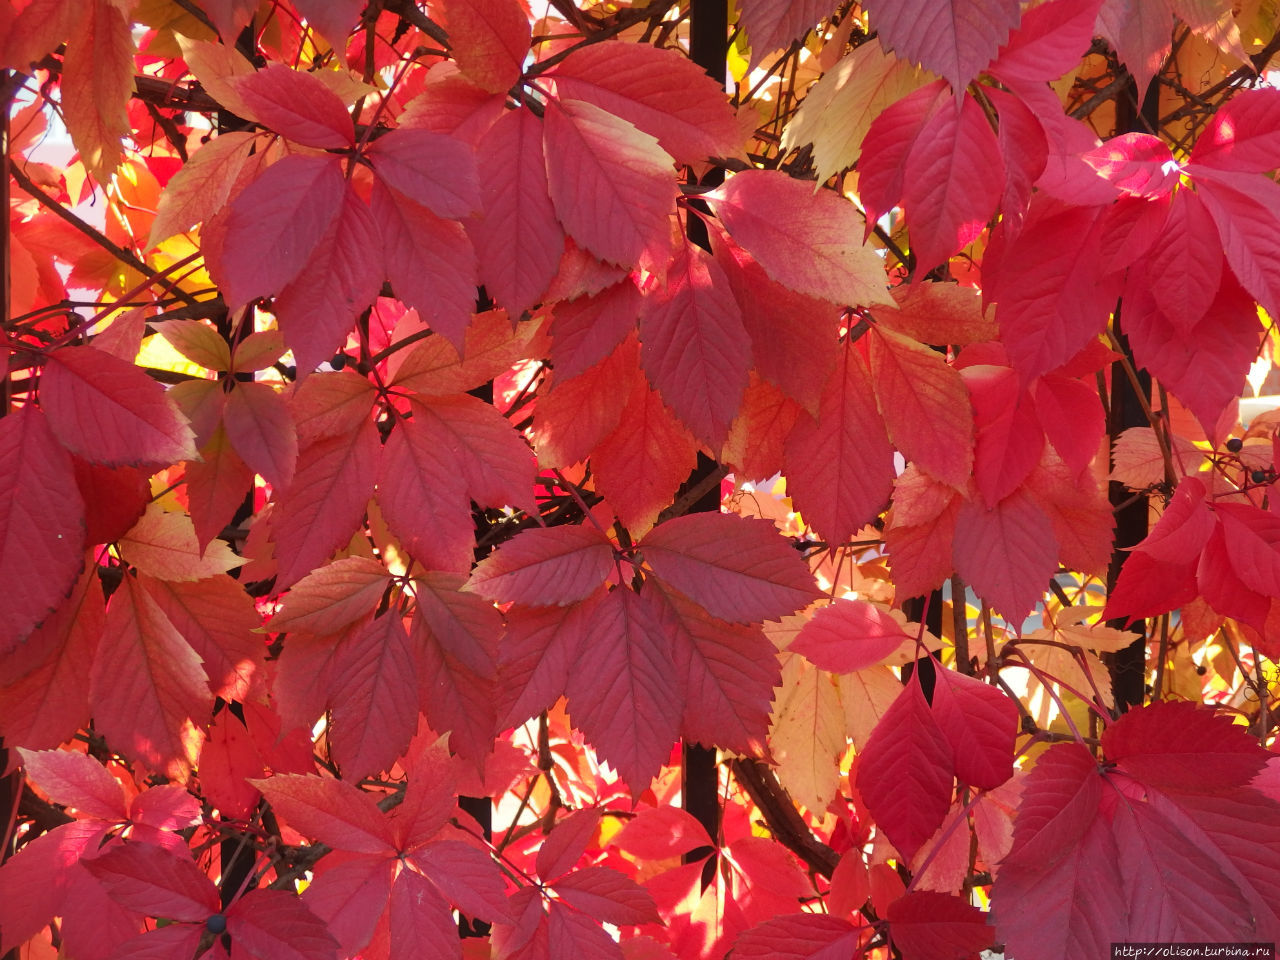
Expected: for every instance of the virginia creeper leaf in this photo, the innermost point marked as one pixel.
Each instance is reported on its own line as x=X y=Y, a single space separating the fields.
x=849 y=635
x=296 y=105
x=490 y=39
x=539 y=567
x=953 y=38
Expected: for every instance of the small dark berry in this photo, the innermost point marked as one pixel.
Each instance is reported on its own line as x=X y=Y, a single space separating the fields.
x=1235 y=444
x=216 y=924
x=339 y=361
x=1259 y=476
x=1201 y=669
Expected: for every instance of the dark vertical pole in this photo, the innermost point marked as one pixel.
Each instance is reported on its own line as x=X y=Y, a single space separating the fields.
x=1129 y=666
x=709 y=49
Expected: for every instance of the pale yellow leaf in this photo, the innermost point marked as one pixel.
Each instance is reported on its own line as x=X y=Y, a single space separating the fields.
x=807 y=736
x=163 y=545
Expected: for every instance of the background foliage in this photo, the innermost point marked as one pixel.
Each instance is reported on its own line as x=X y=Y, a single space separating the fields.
x=638 y=480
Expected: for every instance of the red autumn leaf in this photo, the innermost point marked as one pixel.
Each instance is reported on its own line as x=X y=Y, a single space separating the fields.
x=1071 y=417
x=97 y=83
x=640 y=465
x=608 y=895
x=34 y=882
x=539 y=567
x=76 y=780
x=587 y=330
x=41 y=523
x=540 y=647
x=797 y=936
x=155 y=881
x=518 y=239
x=660 y=833
x=296 y=105
x=659 y=92
x=727 y=672
x=905 y=771
x=114 y=499
x=325 y=503
x=980 y=722
x=577 y=413
x=491 y=346
x=420 y=919
x=108 y=411
x=275 y=224
x=611 y=184
x=494 y=461
x=758 y=434
x=218 y=619
x=373 y=703
x=804 y=240
x=925 y=406
x=332 y=597
x=737 y=569
x=1247 y=211
x=773 y=24
x=147 y=688
x=936 y=926
x=456 y=638
x=257 y=422
x=489 y=40
x=624 y=697
x=1184 y=267
x=276 y=925
x=1048 y=42
x=694 y=346
x=840 y=467
x=433 y=170
x=1243 y=134
x=317 y=308
x=567 y=842
x=429 y=261
x=1138 y=164
x=1210 y=754
x=953 y=38
x=332 y=811
x=849 y=635
x=1007 y=553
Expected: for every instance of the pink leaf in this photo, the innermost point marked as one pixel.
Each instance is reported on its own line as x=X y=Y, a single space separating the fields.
x=490 y=39
x=640 y=465
x=1138 y=164
x=608 y=895
x=76 y=780
x=904 y=772
x=539 y=567
x=34 y=882
x=276 y=223
x=695 y=349
x=332 y=597
x=738 y=569
x=925 y=406
x=373 y=698
x=417 y=470
x=840 y=467
x=798 y=936
x=1243 y=135
x=1183 y=747
x=1048 y=43
x=218 y=619
x=727 y=671
x=661 y=92
x=518 y=239
x=587 y=330
x=541 y=645
x=849 y=635
x=177 y=941
x=579 y=412
x=41 y=523
x=331 y=811
x=566 y=843
x=429 y=261
x=1007 y=553
x=468 y=878
x=296 y=105
x=624 y=697
x=980 y=722
x=492 y=457
x=258 y=424
x=325 y=503
x=457 y=639
x=1184 y=268
x=109 y=411
x=660 y=833
x=953 y=38
x=611 y=184
x=421 y=924
x=350 y=895
x=804 y=240
x=774 y=24
x=276 y=925
x=1247 y=211
x=1071 y=417
x=147 y=687
x=332 y=18
x=431 y=169
x=318 y=307
x=155 y=881
x=574 y=934
x=936 y=926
